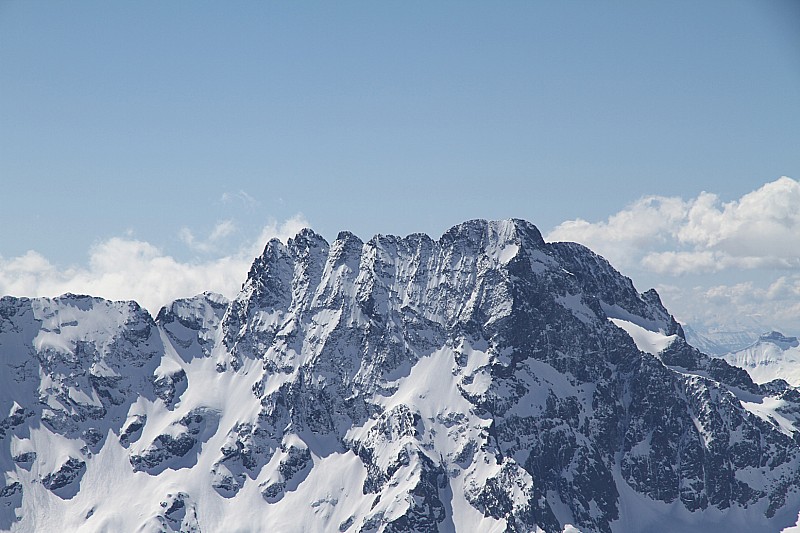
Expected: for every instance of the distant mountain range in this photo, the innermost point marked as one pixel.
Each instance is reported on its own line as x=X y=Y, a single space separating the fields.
x=772 y=356
x=485 y=381
x=723 y=340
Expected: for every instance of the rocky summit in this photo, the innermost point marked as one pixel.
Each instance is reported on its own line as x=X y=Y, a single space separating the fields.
x=485 y=381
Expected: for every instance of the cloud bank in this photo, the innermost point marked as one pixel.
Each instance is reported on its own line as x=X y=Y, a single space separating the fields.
x=672 y=239
x=749 y=306
x=673 y=236
x=129 y=269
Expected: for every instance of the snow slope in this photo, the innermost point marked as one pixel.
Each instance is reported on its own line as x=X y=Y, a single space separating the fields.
x=773 y=356
x=652 y=342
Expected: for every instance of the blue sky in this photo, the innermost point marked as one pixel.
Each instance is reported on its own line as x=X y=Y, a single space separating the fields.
x=194 y=129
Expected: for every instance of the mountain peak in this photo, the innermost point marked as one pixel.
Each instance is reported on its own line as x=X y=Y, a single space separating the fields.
x=516 y=231
x=398 y=384
x=779 y=339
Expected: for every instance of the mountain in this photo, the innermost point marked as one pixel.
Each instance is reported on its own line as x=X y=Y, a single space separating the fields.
x=773 y=356
x=484 y=381
x=719 y=340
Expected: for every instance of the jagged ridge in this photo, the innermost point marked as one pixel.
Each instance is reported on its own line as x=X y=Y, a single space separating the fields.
x=486 y=380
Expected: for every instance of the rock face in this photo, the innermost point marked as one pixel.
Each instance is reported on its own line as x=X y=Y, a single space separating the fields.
x=487 y=381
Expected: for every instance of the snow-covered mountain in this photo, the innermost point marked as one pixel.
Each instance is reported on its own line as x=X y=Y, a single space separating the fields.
x=773 y=356
x=487 y=381
x=719 y=340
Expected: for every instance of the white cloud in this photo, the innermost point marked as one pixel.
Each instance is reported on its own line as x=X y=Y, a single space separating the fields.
x=238 y=196
x=645 y=223
x=221 y=230
x=705 y=261
x=187 y=236
x=122 y=268
x=682 y=262
x=738 y=306
x=670 y=235
x=765 y=222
